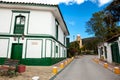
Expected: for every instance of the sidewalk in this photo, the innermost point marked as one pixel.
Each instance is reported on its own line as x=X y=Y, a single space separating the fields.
x=60 y=67
x=111 y=66
x=43 y=72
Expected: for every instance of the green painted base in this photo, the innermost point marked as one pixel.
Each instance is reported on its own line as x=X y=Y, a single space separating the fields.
x=37 y=61
x=41 y=61
x=2 y=60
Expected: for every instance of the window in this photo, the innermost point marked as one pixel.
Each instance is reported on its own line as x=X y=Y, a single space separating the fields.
x=101 y=51
x=56 y=49
x=56 y=23
x=64 y=38
x=19 y=24
x=105 y=49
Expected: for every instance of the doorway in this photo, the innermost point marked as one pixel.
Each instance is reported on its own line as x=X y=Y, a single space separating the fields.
x=115 y=52
x=16 y=52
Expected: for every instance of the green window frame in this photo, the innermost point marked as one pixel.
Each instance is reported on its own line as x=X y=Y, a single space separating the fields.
x=56 y=49
x=19 y=24
x=64 y=39
x=57 y=24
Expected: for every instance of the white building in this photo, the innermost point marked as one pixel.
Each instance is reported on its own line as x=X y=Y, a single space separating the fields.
x=110 y=50
x=33 y=33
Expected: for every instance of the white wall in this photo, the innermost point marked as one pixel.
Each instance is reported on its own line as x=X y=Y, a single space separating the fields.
x=40 y=22
x=60 y=35
x=109 y=53
x=4 y=47
x=48 y=48
x=105 y=45
x=5 y=20
x=34 y=49
x=53 y=28
x=37 y=22
x=98 y=52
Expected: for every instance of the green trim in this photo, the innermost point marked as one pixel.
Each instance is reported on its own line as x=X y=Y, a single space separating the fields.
x=57 y=24
x=56 y=49
x=41 y=61
x=2 y=59
x=26 y=20
x=32 y=36
x=19 y=27
x=17 y=11
x=33 y=40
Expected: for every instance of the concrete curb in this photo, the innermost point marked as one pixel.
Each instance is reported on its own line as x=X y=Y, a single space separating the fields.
x=53 y=77
x=96 y=60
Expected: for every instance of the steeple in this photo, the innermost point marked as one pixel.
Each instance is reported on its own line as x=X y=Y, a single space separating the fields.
x=79 y=40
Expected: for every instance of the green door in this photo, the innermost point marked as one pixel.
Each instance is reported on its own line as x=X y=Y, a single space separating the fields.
x=115 y=52
x=16 y=51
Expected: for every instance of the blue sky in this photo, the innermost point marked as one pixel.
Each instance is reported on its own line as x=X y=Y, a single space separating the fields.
x=76 y=16
x=75 y=13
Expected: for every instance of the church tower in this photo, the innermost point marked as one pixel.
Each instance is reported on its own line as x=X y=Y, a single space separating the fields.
x=79 y=40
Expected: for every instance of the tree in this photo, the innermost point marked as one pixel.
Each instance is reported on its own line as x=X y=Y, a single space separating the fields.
x=90 y=44
x=112 y=13
x=103 y=23
x=73 y=49
x=114 y=10
x=96 y=25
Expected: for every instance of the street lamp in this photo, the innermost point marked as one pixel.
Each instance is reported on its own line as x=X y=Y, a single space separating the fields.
x=18 y=37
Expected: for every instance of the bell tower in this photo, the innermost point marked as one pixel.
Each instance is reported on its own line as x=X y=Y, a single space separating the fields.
x=79 y=40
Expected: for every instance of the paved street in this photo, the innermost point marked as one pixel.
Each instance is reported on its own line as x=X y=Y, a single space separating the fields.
x=85 y=69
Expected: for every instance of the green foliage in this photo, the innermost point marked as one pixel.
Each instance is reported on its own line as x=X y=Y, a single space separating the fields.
x=90 y=45
x=96 y=25
x=73 y=49
x=103 y=23
x=114 y=10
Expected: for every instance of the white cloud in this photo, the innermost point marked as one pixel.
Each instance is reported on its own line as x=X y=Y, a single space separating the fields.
x=68 y=2
x=72 y=23
x=94 y=1
x=50 y=1
x=103 y=2
x=79 y=1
